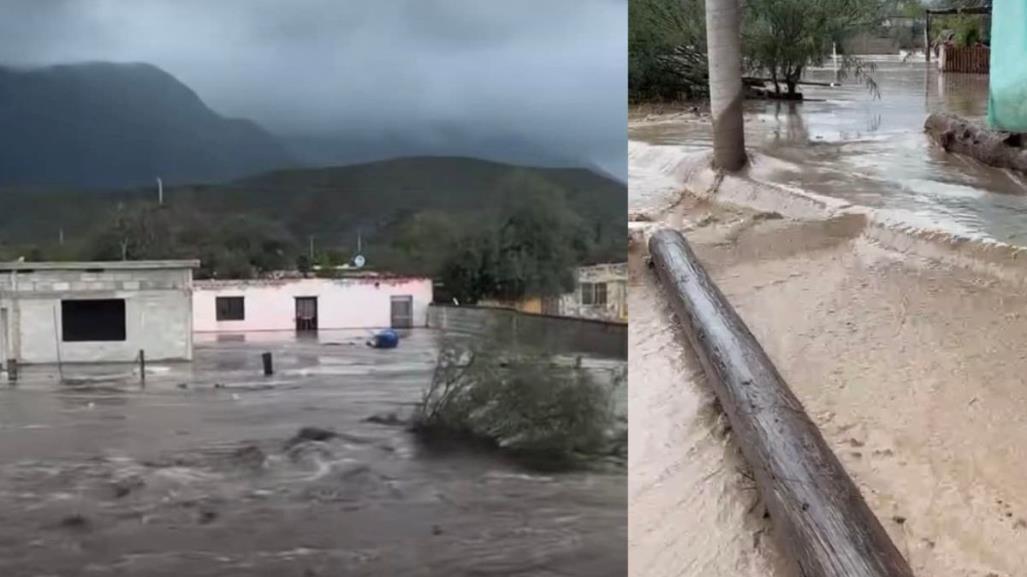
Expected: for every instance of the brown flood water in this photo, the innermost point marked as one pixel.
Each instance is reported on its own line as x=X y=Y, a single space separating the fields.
x=914 y=371
x=194 y=475
x=845 y=144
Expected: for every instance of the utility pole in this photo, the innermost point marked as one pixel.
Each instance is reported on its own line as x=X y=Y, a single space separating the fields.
x=724 y=44
x=311 y=238
x=160 y=192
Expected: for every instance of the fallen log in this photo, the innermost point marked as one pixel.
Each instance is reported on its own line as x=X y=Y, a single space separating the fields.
x=992 y=147
x=820 y=519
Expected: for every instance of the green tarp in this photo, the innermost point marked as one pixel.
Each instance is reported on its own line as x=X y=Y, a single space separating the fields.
x=1007 y=97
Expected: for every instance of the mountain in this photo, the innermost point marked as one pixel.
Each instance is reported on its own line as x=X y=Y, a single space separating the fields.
x=423 y=139
x=113 y=125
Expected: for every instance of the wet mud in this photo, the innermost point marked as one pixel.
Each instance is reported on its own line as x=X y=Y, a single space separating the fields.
x=910 y=364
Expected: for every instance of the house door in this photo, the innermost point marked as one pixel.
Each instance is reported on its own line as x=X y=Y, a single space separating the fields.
x=306 y=313
x=402 y=312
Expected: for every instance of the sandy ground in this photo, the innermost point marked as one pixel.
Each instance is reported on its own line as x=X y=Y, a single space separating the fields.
x=915 y=373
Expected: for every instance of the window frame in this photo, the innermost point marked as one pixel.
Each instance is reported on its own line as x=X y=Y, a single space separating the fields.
x=587 y=294
x=78 y=334
x=226 y=314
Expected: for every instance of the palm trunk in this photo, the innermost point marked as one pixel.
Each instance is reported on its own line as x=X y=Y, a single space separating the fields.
x=724 y=42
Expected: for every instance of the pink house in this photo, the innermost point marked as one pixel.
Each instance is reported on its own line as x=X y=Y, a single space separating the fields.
x=359 y=302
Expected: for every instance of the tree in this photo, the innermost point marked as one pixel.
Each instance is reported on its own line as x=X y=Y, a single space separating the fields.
x=784 y=37
x=723 y=39
x=530 y=247
x=233 y=247
x=666 y=50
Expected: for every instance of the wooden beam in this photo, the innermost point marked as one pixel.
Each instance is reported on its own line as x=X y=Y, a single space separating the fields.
x=820 y=520
x=992 y=147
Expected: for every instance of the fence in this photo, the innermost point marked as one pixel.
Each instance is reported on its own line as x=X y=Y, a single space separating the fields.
x=969 y=59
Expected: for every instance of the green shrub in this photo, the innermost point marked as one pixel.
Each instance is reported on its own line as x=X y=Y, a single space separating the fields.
x=523 y=402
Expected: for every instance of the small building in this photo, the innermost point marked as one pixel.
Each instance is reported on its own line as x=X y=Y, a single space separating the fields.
x=600 y=293
x=82 y=312
x=362 y=301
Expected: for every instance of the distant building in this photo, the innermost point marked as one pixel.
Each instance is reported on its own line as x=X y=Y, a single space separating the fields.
x=79 y=312
x=310 y=304
x=601 y=293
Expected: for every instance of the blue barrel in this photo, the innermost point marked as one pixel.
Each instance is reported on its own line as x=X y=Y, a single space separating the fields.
x=387 y=339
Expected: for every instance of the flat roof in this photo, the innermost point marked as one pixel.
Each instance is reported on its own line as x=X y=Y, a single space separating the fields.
x=105 y=265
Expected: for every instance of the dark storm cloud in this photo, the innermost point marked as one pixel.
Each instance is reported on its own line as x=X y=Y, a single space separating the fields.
x=545 y=73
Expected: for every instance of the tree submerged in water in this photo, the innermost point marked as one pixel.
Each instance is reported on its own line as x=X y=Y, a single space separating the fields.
x=782 y=38
x=526 y=402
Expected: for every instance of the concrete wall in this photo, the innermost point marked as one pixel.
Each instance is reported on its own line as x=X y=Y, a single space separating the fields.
x=555 y=334
x=341 y=303
x=158 y=315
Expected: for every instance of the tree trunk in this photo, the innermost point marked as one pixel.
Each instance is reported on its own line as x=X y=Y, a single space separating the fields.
x=724 y=42
x=992 y=147
x=820 y=519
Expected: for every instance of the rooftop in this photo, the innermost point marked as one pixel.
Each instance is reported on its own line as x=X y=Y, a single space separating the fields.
x=105 y=265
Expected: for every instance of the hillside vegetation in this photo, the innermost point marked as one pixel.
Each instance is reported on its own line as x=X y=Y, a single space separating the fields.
x=490 y=228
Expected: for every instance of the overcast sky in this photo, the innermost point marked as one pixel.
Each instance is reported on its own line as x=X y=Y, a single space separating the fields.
x=549 y=72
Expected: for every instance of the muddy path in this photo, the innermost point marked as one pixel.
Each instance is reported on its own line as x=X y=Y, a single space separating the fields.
x=200 y=474
x=913 y=370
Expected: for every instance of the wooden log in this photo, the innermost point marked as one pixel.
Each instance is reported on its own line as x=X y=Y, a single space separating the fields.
x=992 y=147
x=820 y=519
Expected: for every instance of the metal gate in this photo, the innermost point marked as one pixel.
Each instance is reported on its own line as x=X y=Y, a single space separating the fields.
x=306 y=313
x=402 y=312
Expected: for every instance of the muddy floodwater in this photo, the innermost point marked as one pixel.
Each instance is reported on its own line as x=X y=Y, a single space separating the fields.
x=845 y=143
x=909 y=359
x=195 y=474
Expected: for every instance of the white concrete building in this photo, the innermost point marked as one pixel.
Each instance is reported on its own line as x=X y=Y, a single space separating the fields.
x=77 y=312
x=309 y=304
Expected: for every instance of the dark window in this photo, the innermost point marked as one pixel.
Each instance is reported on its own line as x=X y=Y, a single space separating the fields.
x=593 y=294
x=93 y=320
x=600 y=294
x=230 y=309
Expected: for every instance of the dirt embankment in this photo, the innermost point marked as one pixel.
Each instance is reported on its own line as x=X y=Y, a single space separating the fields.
x=914 y=370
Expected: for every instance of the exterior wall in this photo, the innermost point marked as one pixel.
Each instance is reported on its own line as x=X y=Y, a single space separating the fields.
x=341 y=303
x=563 y=335
x=158 y=314
x=531 y=305
x=616 y=278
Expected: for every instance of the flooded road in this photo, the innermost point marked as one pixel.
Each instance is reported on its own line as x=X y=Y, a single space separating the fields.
x=200 y=474
x=845 y=144
x=906 y=349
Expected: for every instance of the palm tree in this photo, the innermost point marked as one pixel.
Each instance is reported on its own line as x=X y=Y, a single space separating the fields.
x=724 y=46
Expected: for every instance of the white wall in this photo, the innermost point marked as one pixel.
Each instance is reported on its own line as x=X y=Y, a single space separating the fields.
x=341 y=303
